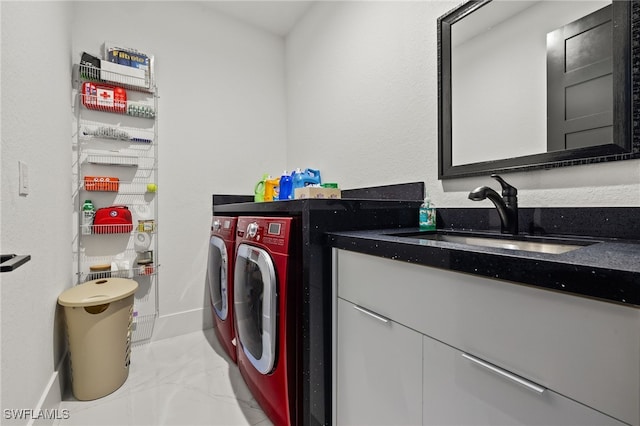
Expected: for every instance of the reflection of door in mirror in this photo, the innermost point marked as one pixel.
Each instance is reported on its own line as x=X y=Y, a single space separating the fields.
x=499 y=77
x=580 y=83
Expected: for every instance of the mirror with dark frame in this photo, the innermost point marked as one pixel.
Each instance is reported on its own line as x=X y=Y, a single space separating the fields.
x=536 y=84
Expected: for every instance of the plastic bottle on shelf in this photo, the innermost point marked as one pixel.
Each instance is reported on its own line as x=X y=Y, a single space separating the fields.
x=258 y=191
x=296 y=181
x=312 y=177
x=286 y=186
x=271 y=189
x=427 y=215
x=88 y=211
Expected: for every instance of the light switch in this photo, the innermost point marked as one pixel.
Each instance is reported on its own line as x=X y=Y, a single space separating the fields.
x=23 y=178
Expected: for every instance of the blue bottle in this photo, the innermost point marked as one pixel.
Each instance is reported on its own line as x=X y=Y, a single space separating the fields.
x=286 y=187
x=312 y=177
x=297 y=181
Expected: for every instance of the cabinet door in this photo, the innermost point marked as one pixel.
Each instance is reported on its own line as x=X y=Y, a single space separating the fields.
x=379 y=369
x=587 y=350
x=460 y=389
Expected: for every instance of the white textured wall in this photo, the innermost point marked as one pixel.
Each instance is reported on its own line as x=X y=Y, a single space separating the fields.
x=362 y=90
x=36 y=128
x=362 y=101
x=221 y=122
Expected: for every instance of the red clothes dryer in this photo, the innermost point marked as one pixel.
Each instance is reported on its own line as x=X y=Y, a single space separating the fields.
x=220 y=280
x=266 y=293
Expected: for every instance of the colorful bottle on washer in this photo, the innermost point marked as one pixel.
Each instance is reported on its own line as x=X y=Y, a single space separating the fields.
x=286 y=187
x=271 y=189
x=258 y=191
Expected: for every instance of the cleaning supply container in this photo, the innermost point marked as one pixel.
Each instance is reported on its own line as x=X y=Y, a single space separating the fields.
x=272 y=189
x=258 y=190
x=304 y=178
x=99 y=316
x=286 y=187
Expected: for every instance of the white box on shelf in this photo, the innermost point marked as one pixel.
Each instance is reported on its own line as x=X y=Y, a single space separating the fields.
x=117 y=73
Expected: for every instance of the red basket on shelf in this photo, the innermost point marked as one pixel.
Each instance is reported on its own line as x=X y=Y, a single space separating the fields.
x=104 y=97
x=101 y=183
x=112 y=220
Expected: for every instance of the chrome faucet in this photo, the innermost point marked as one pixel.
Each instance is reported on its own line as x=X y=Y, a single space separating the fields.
x=507 y=205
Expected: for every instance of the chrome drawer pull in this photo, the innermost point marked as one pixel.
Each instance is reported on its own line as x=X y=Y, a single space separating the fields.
x=368 y=312
x=526 y=383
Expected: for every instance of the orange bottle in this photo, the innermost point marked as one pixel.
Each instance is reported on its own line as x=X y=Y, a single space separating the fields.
x=272 y=189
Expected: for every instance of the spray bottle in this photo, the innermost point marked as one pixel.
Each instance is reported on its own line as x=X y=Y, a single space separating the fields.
x=88 y=211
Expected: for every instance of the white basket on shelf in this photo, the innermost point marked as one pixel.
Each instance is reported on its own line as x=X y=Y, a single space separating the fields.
x=113 y=160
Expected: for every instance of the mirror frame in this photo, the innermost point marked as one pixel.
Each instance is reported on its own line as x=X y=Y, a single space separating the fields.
x=626 y=117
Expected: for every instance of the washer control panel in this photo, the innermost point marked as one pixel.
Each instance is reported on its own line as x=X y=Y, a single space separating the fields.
x=268 y=231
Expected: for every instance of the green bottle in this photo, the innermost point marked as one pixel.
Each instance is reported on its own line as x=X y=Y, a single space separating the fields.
x=88 y=211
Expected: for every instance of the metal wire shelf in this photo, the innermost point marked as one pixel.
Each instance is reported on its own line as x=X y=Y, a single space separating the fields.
x=91 y=73
x=113 y=184
x=93 y=129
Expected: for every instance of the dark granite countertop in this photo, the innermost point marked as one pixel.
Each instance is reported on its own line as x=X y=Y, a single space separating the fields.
x=608 y=269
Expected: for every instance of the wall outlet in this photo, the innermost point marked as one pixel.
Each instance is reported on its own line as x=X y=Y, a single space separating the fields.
x=23 y=178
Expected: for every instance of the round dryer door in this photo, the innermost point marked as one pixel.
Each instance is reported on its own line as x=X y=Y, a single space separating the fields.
x=217 y=277
x=255 y=306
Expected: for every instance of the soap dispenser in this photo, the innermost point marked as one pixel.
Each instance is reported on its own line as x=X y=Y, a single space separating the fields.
x=427 y=214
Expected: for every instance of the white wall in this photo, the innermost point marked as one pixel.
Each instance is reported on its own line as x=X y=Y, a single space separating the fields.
x=362 y=100
x=362 y=90
x=221 y=123
x=36 y=128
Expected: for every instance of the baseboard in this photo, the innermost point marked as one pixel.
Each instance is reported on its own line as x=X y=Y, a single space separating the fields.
x=181 y=323
x=47 y=412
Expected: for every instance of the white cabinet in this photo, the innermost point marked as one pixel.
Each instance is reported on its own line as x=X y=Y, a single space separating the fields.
x=585 y=353
x=115 y=165
x=378 y=373
x=460 y=389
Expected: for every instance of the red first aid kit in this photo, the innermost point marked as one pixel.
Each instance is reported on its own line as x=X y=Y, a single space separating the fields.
x=104 y=97
x=112 y=220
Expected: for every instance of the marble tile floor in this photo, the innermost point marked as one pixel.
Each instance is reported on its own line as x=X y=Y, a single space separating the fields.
x=185 y=380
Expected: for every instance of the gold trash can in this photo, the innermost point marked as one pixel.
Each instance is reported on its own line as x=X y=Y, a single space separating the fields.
x=98 y=317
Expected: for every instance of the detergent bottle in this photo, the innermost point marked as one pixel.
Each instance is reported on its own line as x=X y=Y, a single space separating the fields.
x=271 y=189
x=312 y=177
x=286 y=187
x=258 y=191
x=296 y=181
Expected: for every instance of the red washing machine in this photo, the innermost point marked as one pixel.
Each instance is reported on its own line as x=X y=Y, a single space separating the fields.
x=222 y=246
x=267 y=289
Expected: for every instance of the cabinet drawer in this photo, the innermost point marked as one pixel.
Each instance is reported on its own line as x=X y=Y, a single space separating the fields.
x=379 y=370
x=466 y=391
x=585 y=349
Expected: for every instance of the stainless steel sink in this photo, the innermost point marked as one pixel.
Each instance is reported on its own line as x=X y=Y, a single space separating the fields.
x=534 y=245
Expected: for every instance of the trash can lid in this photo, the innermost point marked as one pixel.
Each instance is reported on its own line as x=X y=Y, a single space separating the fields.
x=98 y=292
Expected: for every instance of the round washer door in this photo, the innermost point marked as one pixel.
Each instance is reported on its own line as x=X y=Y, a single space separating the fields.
x=255 y=306
x=217 y=276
